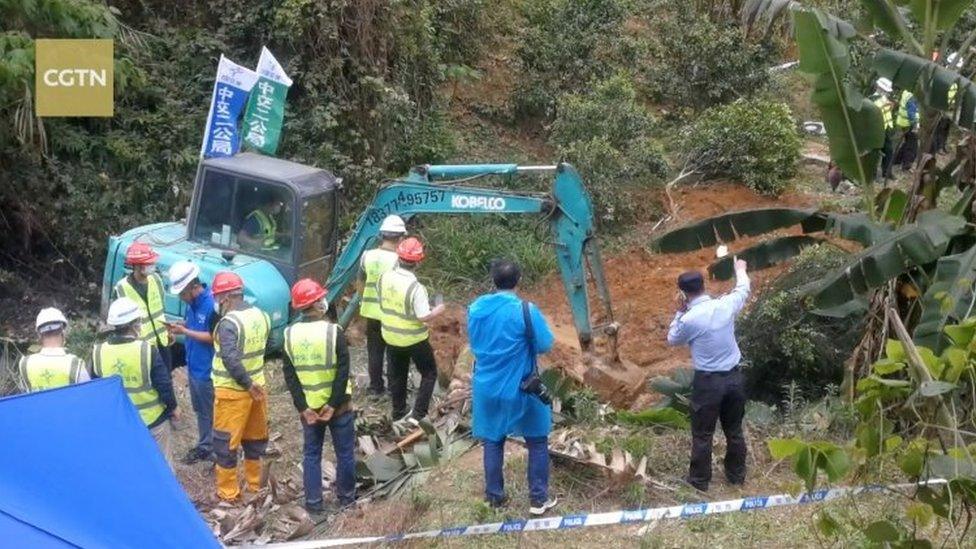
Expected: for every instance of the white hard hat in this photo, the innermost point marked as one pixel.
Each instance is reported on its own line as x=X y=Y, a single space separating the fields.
x=393 y=224
x=181 y=274
x=123 y=311
x=50 y=320
x=884 y=84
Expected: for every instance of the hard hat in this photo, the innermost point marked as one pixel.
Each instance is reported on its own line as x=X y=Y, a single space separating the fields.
x=884 y=84
x=411 y=250
x=306 y=292
x=123 y=311
x=393 y=224
x=181 y=274
x=50 y=320
x=140 y=253
x=226 y=281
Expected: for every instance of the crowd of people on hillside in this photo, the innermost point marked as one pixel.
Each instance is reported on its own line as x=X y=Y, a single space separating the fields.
x=225 y=338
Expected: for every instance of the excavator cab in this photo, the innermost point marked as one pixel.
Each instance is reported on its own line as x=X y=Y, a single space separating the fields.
x=281 y=212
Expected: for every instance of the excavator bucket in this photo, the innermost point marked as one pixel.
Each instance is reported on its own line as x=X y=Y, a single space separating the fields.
x=618 y=383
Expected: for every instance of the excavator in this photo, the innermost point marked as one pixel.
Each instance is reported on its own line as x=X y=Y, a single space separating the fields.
x=304 y=203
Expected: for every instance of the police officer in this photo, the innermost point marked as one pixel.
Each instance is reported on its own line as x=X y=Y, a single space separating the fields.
x=406 y=312
x=316 y=370
x=375 y=262
x=146 y=379
x=51 y=366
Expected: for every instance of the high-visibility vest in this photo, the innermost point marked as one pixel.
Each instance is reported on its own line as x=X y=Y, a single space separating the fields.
x=131 y=361
x=882 y=103
x=311 y=346
x=267 y=229
x=400 y=325
x=151 y=322
x=42 y=372
x=253 y=327
x=903 y=120
x=375 y=263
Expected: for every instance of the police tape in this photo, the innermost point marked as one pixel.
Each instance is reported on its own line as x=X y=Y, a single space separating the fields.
x=568 y=522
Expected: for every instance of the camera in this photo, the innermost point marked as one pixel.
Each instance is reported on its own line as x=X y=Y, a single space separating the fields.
x=534 y=386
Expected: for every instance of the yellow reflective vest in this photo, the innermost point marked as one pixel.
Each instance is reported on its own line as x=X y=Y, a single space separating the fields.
x=267 y=229
x=131 y=361
x=311 y=346
x=400 y=325
x=375 y=263
x=41 y=371
x=151 y=323
x=882 y=103
x=253 y=327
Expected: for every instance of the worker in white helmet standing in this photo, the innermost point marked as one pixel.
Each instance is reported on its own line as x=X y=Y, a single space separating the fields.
x=145 y=376
x=374 y=263
x=882 y=100
x=51 y=366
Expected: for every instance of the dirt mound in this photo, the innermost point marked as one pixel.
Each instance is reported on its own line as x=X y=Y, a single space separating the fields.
x=642 y=284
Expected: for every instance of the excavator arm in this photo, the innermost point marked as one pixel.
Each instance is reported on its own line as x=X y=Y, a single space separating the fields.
x=445 y=190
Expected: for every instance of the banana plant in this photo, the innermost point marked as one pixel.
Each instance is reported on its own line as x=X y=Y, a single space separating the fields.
x=907 y=240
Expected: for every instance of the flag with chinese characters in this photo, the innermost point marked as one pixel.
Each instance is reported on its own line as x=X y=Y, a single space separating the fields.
x=266 y=107
x=233 y=83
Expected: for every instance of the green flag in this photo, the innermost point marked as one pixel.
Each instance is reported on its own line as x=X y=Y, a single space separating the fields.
x=266 y=106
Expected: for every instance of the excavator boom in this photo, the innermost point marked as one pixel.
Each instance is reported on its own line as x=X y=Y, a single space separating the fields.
x=446 y=189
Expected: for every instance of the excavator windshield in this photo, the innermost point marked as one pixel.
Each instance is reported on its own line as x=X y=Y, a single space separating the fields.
x=246 y=214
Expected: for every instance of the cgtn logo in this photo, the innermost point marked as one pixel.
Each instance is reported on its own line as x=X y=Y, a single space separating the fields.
x=472 y=202
x=76 y=77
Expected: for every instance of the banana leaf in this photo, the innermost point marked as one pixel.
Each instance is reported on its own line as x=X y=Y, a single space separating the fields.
x=728 y=227
x=917 y=244
x=856 y=227
x=754 y=11
x=762 y=256
x=890 y=204
x=947 y=299
x=931 y=83
x=853 y=122
x=946 y=12
x=886 y=17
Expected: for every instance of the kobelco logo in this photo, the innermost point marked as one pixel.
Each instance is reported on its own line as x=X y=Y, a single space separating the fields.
x=478 y=202
x=74 y=77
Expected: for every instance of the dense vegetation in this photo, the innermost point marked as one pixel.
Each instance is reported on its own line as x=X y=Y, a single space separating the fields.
x=374 y=83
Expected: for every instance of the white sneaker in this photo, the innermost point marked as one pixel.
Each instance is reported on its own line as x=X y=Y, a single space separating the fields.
x=539 y=510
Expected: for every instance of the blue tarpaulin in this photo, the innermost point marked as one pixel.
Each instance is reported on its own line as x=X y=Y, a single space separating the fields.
x=78 y=468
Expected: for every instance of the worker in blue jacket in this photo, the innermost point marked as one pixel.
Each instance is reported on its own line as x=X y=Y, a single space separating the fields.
x=505 y=351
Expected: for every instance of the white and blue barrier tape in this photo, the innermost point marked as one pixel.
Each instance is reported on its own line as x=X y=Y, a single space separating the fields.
x=568 y=522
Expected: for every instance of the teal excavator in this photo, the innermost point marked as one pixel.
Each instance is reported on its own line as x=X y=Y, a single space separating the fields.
x=304 y=201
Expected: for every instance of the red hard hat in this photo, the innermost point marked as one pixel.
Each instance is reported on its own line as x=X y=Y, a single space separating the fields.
x=410 y=249
x=140 y=253
x=306 y=292
x=226 y=281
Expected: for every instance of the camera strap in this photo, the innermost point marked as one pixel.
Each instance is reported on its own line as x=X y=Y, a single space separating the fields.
x=529 y=336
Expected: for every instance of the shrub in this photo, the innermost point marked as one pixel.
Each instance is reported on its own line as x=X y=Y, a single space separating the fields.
x=564 y=44
x=785 y=345
x=755 y=141
x=697 y=63
x=604 y=134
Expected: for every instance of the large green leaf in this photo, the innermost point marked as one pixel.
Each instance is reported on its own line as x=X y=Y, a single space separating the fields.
x=728 y=227
x=931 y=82
x=912 y=245
x=951 y=287
x=885 y=16
x=853 y=122
x=946 y=12
x=761 y=256
x=857 y=227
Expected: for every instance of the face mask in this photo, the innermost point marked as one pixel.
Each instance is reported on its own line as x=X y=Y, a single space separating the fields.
x=216 y=306
x=148 y=270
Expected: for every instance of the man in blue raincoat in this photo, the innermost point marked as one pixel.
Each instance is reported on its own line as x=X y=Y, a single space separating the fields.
x=504 y=358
